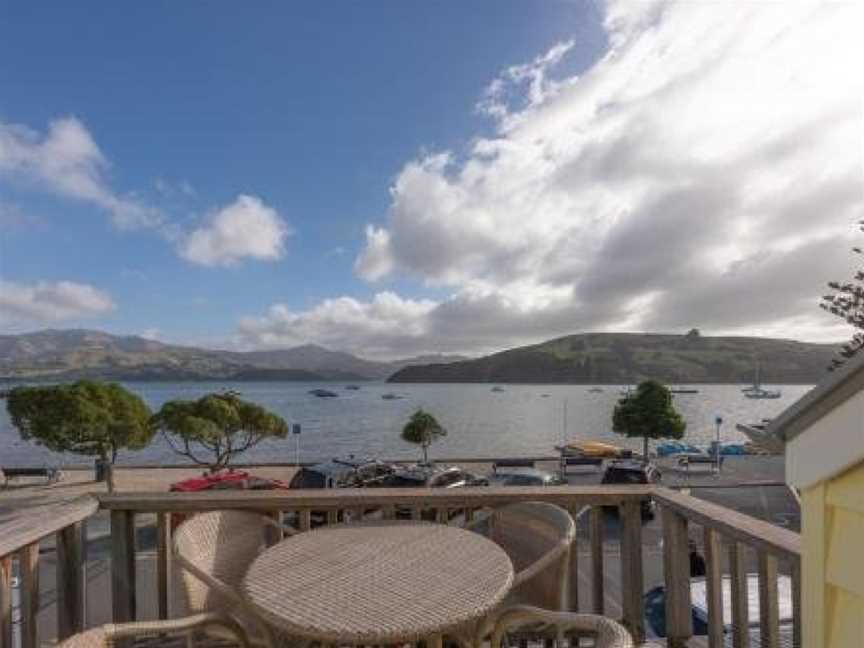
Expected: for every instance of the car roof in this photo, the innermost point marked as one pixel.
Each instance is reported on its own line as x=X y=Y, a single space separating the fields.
x=423 y=473
x=521 y=470
x=632 y=465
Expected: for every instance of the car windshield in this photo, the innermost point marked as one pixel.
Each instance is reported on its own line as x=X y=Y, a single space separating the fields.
x=618 y=476
x=447 y=479
x=523 y=480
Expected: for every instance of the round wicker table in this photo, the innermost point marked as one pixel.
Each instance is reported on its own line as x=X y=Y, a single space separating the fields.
x=378 y=583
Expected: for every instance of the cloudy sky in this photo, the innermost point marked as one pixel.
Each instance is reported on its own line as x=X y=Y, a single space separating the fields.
x=393 y=178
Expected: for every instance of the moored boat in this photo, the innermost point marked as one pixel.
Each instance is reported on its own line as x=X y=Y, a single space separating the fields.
x=323 y=393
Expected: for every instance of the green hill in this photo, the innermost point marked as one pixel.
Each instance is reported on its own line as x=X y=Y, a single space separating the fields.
x=623 y=358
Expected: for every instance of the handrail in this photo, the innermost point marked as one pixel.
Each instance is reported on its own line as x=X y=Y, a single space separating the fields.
x=732 y=524
x=34 y=524
x=21 y=533
x=347 y=498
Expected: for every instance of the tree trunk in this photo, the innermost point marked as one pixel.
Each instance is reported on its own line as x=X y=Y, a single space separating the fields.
x=425 y=453
x=109 y=469
x=645 y=449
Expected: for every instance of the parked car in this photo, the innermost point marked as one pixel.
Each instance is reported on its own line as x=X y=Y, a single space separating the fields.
x=430 y=476
x=341 y=473
x=525 y=476
x=655 y=609
x=228 y=479
x=631 y=471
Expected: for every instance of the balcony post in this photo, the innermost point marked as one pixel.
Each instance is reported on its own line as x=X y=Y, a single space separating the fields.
x=163 y=563
x=714 y=587
x=122 y=566
x=571 y=601
x=769 y=614
x=796 y=603
x=676 y=570
x=28 y=569
x=6 y=601
x=632 y=582
x=738 y=590
x=597 y=593
x=70 y=580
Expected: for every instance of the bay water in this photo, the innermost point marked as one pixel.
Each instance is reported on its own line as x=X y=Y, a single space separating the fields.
x=519 y=420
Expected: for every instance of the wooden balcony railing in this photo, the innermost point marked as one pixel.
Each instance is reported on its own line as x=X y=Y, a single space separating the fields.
x=771 y=546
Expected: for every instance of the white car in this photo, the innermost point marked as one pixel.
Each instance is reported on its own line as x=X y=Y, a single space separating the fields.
x=655 y=609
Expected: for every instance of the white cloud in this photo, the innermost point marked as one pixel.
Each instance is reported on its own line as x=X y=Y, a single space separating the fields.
x=376 y=327
x=705 y=171
x=50 y=301
x=67 y=161
x=247 y=228
x=154 y=334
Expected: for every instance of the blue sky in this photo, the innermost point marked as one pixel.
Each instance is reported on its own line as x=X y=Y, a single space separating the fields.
x=392 y=177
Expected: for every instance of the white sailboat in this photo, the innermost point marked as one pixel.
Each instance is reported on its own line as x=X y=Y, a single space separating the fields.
x=756 y=391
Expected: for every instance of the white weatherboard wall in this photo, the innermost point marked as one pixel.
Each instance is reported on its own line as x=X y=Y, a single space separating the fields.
x=826 y=461
x=829 y=446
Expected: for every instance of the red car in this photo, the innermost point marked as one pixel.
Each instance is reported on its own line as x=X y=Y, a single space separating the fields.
x=223 y=480
x=228 y=480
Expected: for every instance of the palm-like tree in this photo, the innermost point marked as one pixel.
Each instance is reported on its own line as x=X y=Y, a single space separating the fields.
x=422 y=429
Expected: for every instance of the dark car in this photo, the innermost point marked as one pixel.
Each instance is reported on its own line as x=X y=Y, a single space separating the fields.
x=422 y=476
x=341 y=473
x=525 y=476
x=633 y=472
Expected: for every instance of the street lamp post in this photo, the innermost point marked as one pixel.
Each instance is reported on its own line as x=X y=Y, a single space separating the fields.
x=718 y=421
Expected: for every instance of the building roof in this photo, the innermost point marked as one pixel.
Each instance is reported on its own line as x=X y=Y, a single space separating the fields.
x=836 y=388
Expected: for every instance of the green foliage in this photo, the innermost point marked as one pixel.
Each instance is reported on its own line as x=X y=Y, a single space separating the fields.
x=847 y=303
x=649 y=413
x=221 y=425
x=422 y=429
x=87 y=417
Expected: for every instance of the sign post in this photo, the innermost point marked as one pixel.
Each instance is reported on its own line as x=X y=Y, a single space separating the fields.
x=718 y=421
x=295 y=432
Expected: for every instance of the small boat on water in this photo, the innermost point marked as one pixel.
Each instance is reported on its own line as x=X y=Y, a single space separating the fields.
x=392 y=397
x=756 y=391
x=352 y=387
x=323 y=393
x=497 y=389
x=596 y=390
x=763 y=393
x=683 y=390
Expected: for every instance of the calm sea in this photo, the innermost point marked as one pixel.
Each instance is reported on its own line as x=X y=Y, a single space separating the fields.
x=520 y=420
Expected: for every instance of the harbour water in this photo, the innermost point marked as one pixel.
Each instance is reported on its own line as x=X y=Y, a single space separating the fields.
x=520 y=420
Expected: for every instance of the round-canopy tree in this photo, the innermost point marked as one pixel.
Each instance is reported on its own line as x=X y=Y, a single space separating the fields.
x=86 y=417
x=649 y=413
x=215 y=428
x=422 y=429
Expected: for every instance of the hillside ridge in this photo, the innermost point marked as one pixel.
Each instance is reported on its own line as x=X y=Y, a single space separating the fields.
x=624 y=358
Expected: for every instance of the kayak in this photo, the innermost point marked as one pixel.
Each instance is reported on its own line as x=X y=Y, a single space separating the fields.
x=596 y=449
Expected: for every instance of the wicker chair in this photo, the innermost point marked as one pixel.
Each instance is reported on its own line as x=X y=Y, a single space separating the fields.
x=556 y=625
x=213 y=551
x=537 y=537
x=194 y=631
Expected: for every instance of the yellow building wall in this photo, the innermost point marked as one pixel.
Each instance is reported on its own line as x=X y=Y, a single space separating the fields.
x=832 y=576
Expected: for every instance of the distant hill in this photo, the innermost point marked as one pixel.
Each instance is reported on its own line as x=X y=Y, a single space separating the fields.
x=624 y=358
x=69 y=354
